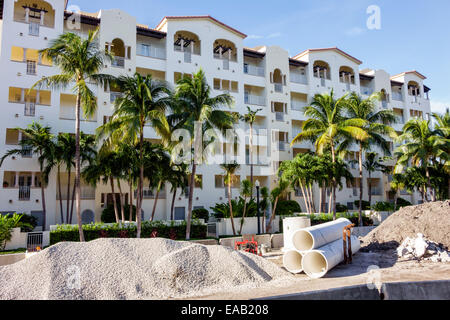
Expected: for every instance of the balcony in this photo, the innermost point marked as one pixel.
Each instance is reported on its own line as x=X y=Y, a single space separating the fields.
x=118 y=62
x=33 y=29
x=282 y=146
x=253 y=70
x=397 y=96
x=27 y=152
x=152 y=52
x=298 y=105
x=278 y=87
x=24 y=193
x=279 y=116
x=298 y=78
x=254 y=100
x=30 y=109
x=366 y=91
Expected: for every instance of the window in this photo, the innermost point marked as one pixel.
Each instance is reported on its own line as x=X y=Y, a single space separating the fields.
x=180 y=214
x=31 y=67
x=145 y=50
x=34 y=29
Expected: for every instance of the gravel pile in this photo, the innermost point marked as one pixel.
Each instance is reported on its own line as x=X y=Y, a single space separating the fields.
x=421 y=248
x=430 y=219
x=108 y=269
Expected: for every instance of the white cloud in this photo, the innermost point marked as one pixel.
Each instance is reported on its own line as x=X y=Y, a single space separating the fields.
x=274 y=35
x=353 y=32
x=439 y=106
x=254 y=36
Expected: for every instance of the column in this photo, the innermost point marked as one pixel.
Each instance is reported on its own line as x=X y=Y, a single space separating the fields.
x=33 y=177
x=24 y=54
x=182 y=45
x=17 y=180
x=22 y=95
x=42 y=17
x=27 y=15
x=229 y=54
x=38 y=97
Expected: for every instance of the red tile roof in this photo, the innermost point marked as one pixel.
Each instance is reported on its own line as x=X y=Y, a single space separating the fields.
x=408 y=72
x=328 y=49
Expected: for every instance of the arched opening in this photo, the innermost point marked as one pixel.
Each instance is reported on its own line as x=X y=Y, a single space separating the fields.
x=277 y=76
x=346 y=75
x=225 y=49
x=322 y=70
x=118 y=48
x=384 y=98
x=185 y=41
x=120 y=51
x=278 y=79
x=414 y=89
x=37 y=13
x=87 y=217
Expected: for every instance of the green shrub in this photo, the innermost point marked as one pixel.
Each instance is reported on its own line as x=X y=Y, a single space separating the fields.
x=341 y=208
x=286 y=208
x=200 y=214
x=149 y=229
x=383 y=207
x=108 y=215
x=222 y=210
x=7 y=224
x=403 y=203
x=353 y=217
x=29 y=223
x=365 y=205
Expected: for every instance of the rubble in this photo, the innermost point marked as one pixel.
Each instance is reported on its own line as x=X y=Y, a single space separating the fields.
x=421 y=248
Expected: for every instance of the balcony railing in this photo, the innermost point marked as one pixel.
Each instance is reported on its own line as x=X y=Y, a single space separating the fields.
x=253 y=70
x=279 y=116
x=24 y=193
x=376 y=191
x=298 y=78
x=118 y=62
x=397 y=96
x=255 y=100
x=278 y=87
x=366 y=91
x=153 y=52
x=33 y=29
x=30 y=109
x=298 y=106
x=27 y=152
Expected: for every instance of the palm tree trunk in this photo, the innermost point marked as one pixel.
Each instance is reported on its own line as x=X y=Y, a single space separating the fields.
x=116 y=212
x=321 y=199
x=244 y=214
x=312 y=198
x=333 y=153
x=191 y=198
x=308 y=199
x=69 y=173
x=361 y=188
x=305 y=198
x=370 y=189
x=131 y=200
x=73 y=203
x=432 y=192
x=156 y=201
x=141 y=182
x=44 y=209
x=330 y=203
x=395 y=200
x=60 y=194
x=251 y=160
x=272 y=217
x=122 y=199
x=172 y=208
x=78 y=166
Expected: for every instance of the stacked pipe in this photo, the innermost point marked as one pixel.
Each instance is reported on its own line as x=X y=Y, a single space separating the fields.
x=316 y=250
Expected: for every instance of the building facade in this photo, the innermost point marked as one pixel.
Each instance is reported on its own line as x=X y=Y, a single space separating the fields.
x=264 y=78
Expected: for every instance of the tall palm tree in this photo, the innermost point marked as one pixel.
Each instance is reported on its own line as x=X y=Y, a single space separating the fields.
x=422 y=147
x=279 y=192
x=246 y=193
x=443 y=123
x=376 y=125
x=397 y=184
x=80 y=61
x=143 y=102
x=250 y=118
x=66 y=142
x=230 y=175
x=198 y=112
x=372 y=164
x=327 y=126
x=39 y=140
x=178 y=178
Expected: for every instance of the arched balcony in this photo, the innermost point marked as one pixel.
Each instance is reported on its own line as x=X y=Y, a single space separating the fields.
x=414 y=90
x=187 y=42
x=384 y=98
x=120 y=52
x=321 y=70
x=37 y=14
x=278 y=79
x=225 y=50
x=347 y=76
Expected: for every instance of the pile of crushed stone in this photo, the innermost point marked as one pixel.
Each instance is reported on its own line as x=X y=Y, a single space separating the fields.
x=430 y=219
x=420 y=248
x=131 y=269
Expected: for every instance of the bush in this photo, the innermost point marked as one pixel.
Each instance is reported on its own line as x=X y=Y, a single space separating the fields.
x=365 y=205
x=7 y=224
x=383 y=207
x=353 y=217
x=286 y=208
x=341 y=208
x=149 y=230
x=200 y=214
x=108 y=215
x=403 y=203
x=29 y=223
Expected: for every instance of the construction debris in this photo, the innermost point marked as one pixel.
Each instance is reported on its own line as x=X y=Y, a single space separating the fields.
x=421 y=248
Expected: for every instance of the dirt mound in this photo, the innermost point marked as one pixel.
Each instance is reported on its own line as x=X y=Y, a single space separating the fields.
x=108 y=269
x=430 y=219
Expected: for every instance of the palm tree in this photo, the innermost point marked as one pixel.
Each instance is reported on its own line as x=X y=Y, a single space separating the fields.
x=230 y=175
x=443 y=123
x=422 y=147
x=80 y=61
x=198 y=112
x=66 y=143
x=397 y=184
x=279 y=192
x=250 y=118
x=144 y=101
x=246 y=193
x=376 y=126
x=178 y=177
x=372 y=164
x=39 y=140
x=327 y=126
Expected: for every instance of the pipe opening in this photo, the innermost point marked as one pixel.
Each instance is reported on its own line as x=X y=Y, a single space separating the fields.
x=292 y=261
x=303 y=241
x=315 y=264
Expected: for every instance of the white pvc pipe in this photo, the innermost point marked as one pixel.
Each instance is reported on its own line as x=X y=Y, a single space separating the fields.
x=317 y=263
x=290 y=226
x=292 y=261
x=315 y=237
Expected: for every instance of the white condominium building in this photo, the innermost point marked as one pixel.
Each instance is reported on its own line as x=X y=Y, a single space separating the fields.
x=264 y=77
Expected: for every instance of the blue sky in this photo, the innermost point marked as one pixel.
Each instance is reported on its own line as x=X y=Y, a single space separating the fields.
x=414 y=34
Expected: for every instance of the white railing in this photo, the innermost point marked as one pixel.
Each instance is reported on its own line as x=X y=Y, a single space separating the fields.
x=30 y=109
x=298 y=78
x=278 y=87
x=298 y=105
x=253 y=70
x=397 y=96
x=255 y=100
x=279 y=116
x=153 y=52
x=114 y=96
x=33 y=29
x=118 y=62
x=27 y=152
x=24 y=193
x=366 y=90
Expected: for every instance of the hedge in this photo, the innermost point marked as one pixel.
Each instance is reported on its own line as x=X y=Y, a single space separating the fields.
x=149 y=230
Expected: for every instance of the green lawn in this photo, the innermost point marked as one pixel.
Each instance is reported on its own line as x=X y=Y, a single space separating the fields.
x=13 y=251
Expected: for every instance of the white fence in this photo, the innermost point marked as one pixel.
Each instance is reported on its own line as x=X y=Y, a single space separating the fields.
x=224 y=227
x=20 y=239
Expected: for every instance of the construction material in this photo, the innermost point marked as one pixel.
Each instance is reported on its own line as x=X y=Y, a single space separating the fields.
x=249 y=246
x=318 y=236
x=292 y=261
x=347 y=237
x=430 y=219
x=121 y=269
x=290 y=226
x=421 y=248
x=317 y=263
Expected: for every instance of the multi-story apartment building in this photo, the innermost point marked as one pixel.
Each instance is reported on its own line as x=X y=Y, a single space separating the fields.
x=264 y=78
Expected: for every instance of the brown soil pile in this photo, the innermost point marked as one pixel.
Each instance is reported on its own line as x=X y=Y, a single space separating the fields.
x=430 y=219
